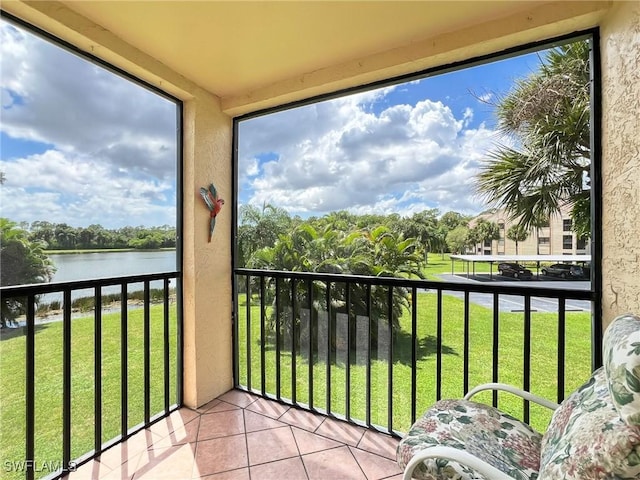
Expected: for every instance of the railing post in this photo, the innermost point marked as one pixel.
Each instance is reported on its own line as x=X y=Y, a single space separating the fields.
x=66 y=380
x=124 y=363
x=30 y=376
x=97 y=369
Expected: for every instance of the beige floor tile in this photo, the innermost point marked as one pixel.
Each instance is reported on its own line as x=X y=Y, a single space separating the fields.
x=288 y=469
x=123 y=452
x=374 y=466
x=271 y=445
x=238 y=474
x=238 y=397
x=223 y=407
x=207 y=406
x=379 y=443
x=254 y=422
x=309 y=442
x=341 y=431
x=268 y=408
x=243 y=437
x=176 y=420
x=171 y=463
x=302 y=419
x=220 y=424
x=220 y=455
x=334 y=464
x=186 y=434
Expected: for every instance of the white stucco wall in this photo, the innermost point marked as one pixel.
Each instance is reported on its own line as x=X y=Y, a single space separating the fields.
x=620 y=48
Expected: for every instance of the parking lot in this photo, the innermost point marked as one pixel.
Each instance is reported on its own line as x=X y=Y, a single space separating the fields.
x=515 y=303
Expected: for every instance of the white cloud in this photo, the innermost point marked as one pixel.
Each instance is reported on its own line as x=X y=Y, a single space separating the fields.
x=110 y=144
x=64 y=189
x=339 y=155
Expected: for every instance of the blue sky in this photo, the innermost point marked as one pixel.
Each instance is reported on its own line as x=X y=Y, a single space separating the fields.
x=399 y=149
x=81 y=145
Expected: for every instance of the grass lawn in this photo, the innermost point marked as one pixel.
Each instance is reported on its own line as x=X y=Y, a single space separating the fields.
x=48 y=383
x=510 y=358
x=438 y=264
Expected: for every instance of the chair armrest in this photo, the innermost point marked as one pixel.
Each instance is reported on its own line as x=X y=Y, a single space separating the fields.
x=516 y=391
x=460 y=456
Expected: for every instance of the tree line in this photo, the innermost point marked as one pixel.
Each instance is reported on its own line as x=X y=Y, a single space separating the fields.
x=265 y=232
x=61 y=236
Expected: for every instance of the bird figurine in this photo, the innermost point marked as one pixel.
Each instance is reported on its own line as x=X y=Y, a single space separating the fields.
x=214 y=204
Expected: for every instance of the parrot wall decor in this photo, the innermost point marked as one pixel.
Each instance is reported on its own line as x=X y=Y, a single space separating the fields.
x=214 y=204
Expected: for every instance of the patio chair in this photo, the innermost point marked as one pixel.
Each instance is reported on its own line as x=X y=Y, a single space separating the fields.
x=593 y=434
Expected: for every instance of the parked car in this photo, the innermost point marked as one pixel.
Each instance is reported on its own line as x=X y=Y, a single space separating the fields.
x=514 y=270
x=563 y=270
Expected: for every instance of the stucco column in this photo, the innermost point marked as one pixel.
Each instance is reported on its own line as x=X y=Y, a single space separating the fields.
x=207 y=303
x=620 y=47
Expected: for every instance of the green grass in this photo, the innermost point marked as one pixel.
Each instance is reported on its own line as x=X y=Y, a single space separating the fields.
x=543 y=363
x=439 y=264
x=48 y=383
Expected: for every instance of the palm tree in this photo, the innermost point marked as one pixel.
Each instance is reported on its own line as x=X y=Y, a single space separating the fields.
x=484 y=231
x=517 y=233
x=377 y=251
x=259 y=228
x=545 y=120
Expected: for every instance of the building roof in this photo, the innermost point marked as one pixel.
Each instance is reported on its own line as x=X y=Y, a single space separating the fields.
x=523 y=258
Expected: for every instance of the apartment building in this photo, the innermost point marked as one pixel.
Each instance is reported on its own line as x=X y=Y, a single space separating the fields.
x=556 y=237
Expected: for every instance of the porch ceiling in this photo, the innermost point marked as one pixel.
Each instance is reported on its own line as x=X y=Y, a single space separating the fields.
x=255 y=53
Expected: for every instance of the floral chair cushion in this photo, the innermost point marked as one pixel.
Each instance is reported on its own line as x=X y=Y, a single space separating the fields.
x=491 y=435
x=622 y=363
x=587 y=439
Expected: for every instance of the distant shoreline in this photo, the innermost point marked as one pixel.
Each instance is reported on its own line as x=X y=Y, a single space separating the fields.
x=106 y=250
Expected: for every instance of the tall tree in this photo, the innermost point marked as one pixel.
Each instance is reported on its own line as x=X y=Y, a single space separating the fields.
x=544 y=164
x=451 y=220
x=484 y=231
x=458 y=239
x=23 y=262
x=260 y=228
x=517 y=233
x=422 y=226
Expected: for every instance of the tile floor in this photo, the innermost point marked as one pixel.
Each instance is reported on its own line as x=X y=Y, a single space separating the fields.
x=240 y=436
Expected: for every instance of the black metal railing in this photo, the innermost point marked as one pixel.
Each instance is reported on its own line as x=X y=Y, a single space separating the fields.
x=146 y=335
x=378 y=351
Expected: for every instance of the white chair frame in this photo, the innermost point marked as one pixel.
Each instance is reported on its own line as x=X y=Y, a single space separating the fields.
x=465 y=458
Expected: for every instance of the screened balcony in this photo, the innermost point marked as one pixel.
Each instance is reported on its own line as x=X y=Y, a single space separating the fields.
x=334 y=389
x=219 y=357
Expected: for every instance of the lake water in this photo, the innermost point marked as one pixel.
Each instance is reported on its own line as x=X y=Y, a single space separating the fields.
x=88 y=266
